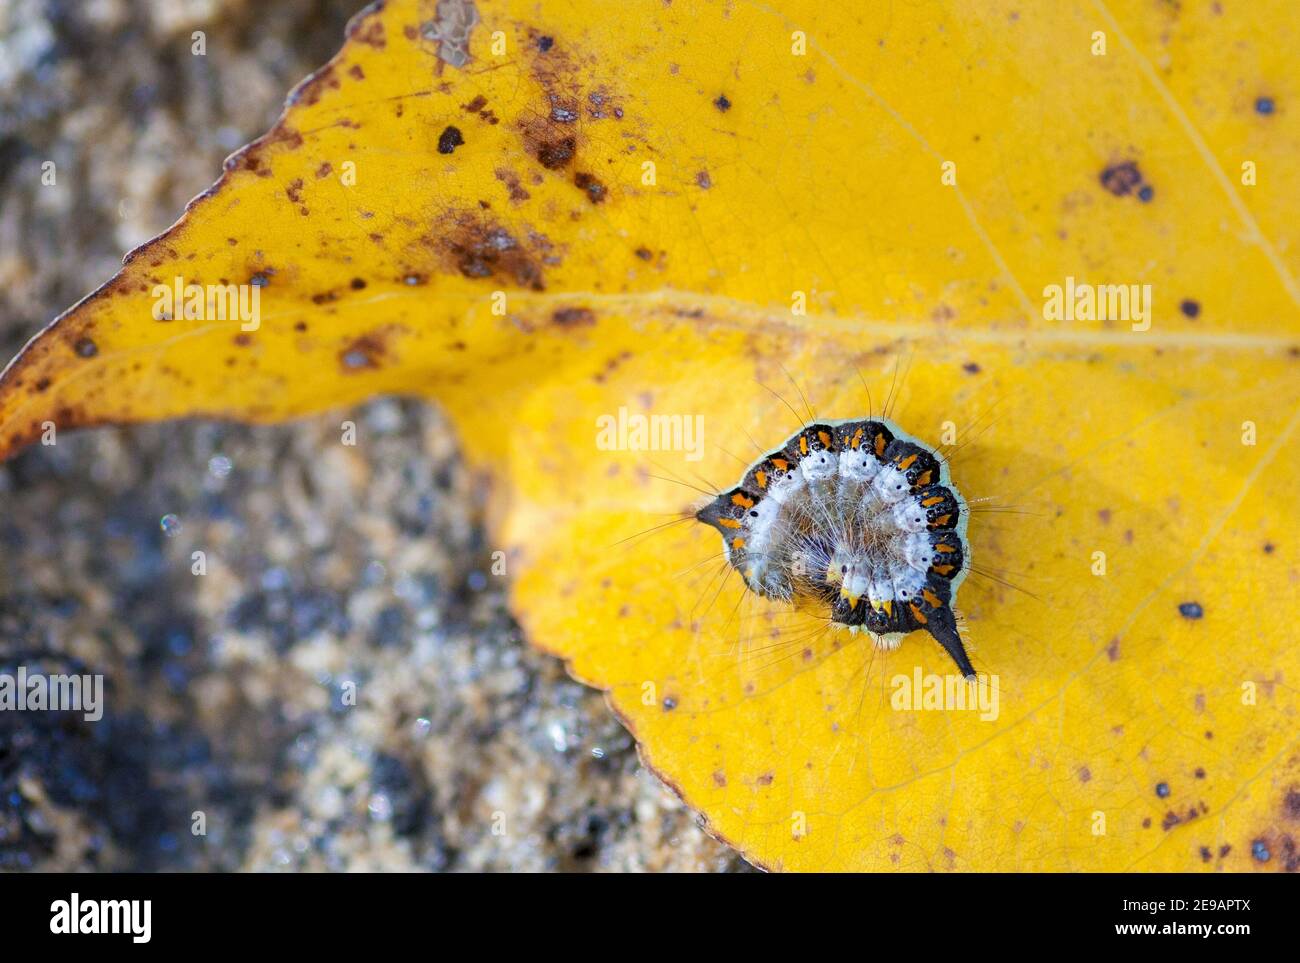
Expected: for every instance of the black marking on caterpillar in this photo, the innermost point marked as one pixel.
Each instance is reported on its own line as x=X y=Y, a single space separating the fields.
x=858 y=517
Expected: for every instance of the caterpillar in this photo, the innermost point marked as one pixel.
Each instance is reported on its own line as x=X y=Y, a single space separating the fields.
x=858 y=517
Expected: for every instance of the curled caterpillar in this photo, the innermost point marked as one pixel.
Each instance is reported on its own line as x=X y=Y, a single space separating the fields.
x=856 y=516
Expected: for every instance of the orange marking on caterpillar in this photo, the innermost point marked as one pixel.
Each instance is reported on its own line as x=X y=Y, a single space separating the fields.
x=740 y=499
x=924 y=479
x=825 y=438
x=761 y=478
x=942 y=520
x=803 y=444
x=917 y=612
x=930 y=597
x=942 y=569
x=857 y=439
x=728 y=523
x=906 y=463
x=781 y=464
x=880 y=446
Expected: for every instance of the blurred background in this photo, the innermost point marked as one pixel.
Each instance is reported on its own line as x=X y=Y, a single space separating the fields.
x=326 y=565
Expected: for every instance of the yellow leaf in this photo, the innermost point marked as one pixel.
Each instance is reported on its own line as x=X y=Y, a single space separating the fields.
x=658 y=207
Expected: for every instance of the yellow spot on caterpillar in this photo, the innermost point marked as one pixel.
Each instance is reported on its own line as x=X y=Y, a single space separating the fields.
x=740 y=499
x=888 y=606
x=917 y=612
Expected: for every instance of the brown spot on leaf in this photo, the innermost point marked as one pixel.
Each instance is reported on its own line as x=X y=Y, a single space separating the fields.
x=1121 y=179
x=719 y=778
x=1290 y=855
x=591 y=186
x=324 y=170
x=550 y=129
x=765 y=779
x=311 y=90
x=367 y=351
x=573 y=317
x=483 y=249
x=449 y=140
x=611 y=365
x=556 y=152
x=294 y=190
x=1291 y=804
x=252 y=158
x=517 y=192
x=479 y=106
x=369 y=31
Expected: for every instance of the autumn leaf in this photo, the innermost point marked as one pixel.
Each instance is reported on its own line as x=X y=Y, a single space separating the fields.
x=547 y=217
